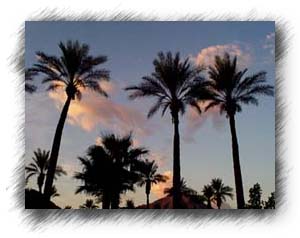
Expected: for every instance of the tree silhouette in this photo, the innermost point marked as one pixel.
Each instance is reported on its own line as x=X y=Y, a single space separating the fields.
x=255 y=197
x=89 y=204
x=220 y=192
x=171 y=83
x=148 y=176
x=228 y=90
x=208 y=193
x=39 y=167
x=108 y=170
x=129 y=204
x=187 y=192
x=73 y=71
x=68 y=207
x=270 y=203
x=29 y=74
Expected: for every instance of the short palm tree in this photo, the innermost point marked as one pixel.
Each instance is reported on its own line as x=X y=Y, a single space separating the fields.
x=89 y=204
x=73 y=71
x=171 y=83
x=29 y=74
x=229 y=89
x=148 y=176
x=208 y=193
x=109 y=171
x=184 y=189
x=220 y=192
x=39 y=167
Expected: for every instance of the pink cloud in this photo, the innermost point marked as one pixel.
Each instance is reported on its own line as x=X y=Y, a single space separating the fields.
x=94 y=111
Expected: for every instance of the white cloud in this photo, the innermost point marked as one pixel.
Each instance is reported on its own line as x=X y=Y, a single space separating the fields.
x=269 y=43
x=206 y=56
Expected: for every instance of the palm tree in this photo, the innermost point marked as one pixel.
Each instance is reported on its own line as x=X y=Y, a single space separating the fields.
x=220 y=192
x=89 y=204
x=183 y=188
x=73 y=71
x=148 y=176
x=229 y=89
x=208 y=193
x=171 y=84
x=39 y=167
x=129 y=204
x=108 y=170
x=29 y=74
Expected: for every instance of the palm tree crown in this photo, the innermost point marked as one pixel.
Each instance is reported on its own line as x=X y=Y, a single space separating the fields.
x=170 y=83
x=148 y=175
x=29 y=74
x=220 y=191
x=229 y=89
x=73 y=71
x=108 y=171
x=208 y=193
x=89 y=204
x=39 y=167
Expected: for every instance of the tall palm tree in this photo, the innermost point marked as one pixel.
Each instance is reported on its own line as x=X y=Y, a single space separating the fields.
x=39 y=167
x=208 y=193
x=108 y=170
x=89 y=204
x=229 y=89
x=73 y=71
x=29 y=74
x=148 y=176
x=171 y=83
x=220 y=192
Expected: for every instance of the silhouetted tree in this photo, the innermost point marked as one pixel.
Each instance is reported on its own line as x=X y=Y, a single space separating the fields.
x=129 y=204
x=255 y=197
x=183 y=189
x=208 y=193
x=68 y=207
x=270 y=203
x=220 y=192
x=73 y=71
x=148 y=176
x=187 y=192
x=170 y=84
x=108 y=170
x=39 y=167
x=89 y=204
x=228 y=90
x=36 y=200
x=29 y=74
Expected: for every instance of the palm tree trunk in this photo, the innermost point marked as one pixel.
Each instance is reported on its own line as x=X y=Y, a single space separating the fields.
x=105 y=201
x=41 y=179
x=115 y=201
x=236 y=165
x=147 y=195
x=55 y=150
x=176 y=163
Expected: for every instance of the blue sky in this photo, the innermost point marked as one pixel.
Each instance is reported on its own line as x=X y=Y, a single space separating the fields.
x=131 y=48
